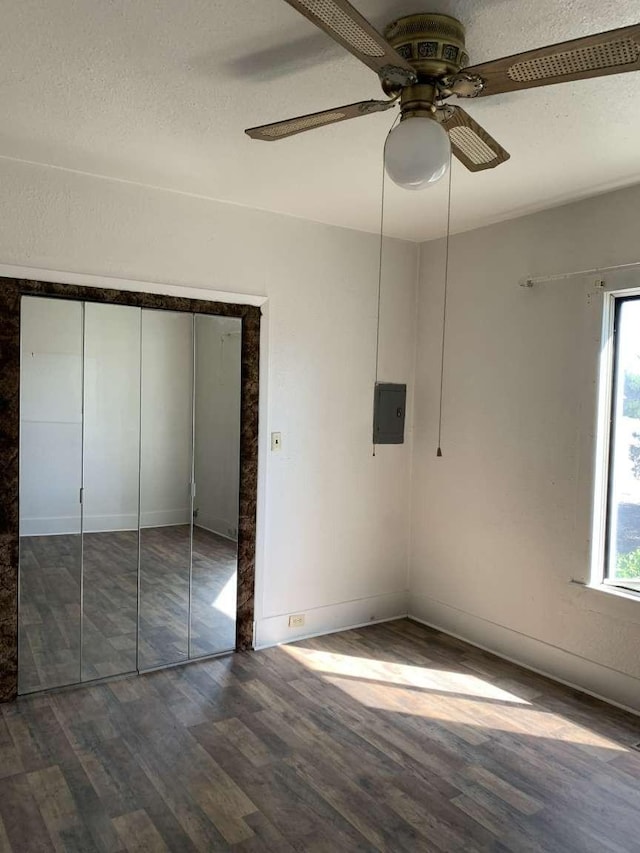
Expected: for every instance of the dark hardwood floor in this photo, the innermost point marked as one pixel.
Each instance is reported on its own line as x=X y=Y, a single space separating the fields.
x=50 y=602
x=393 y=737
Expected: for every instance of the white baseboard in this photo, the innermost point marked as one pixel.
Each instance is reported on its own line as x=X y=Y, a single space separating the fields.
x=274 y=630
x=109 y=523
x=165 y=517
x=612 y=686
x=50 y=526
x=218 y=526
x=101 y=523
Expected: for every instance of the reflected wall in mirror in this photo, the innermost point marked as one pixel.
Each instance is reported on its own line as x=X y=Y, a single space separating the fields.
x=218 y=343
x=50 y=483
x=165 y=487
x=111 y=486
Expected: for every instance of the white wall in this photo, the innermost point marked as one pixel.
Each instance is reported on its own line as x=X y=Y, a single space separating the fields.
x=333 y=525
x=218 y=349
x=502 y=522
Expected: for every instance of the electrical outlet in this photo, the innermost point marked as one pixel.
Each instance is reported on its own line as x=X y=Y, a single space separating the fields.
x=296 y=621
x=276 y=441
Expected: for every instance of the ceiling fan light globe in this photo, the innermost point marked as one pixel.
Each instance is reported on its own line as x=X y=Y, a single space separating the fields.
x=417 y=153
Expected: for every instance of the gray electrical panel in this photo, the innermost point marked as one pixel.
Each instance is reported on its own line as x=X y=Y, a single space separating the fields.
x=388 y=413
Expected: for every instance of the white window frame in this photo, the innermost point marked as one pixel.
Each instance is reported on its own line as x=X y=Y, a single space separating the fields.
x=604 y=427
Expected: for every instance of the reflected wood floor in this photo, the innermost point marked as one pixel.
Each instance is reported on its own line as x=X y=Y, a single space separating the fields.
x=392 y=737
x=50 y=602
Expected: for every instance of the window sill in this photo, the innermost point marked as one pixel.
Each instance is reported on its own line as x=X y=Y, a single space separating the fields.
x=614 y=590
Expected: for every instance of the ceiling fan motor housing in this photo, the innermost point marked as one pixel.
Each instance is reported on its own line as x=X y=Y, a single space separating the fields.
x=422 y=61
x=433 y=44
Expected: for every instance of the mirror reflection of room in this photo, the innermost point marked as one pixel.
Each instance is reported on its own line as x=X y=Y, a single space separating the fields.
x=129 y=483
x=166 y=451
x=50 y=483
x=110 y=494
x=217 y=478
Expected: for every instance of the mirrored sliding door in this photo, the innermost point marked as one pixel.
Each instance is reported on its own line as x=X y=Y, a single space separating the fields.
x=216 y=475
x=50 y=576
x=166 y=461
x=111 y=486
x=129 y=489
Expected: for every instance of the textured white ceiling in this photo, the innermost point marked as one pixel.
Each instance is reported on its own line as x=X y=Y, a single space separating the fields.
x=159 y=92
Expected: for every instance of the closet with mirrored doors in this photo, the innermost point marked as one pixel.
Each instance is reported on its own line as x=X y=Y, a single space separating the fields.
x=129 y=483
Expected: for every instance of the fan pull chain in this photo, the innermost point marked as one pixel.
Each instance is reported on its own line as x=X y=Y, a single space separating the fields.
x=444 y=310
x=393 y=124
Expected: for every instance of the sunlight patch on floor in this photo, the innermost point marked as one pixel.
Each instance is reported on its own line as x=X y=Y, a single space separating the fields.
x=455 y=700
x=443 y=681
x=225 y=602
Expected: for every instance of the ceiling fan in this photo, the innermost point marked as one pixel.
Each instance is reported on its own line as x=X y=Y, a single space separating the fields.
x=421 y=61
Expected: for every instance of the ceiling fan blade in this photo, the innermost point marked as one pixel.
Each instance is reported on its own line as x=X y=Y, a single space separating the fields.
x=291 y=126
x=612 y=52
x=471 y=143
x=348 y=27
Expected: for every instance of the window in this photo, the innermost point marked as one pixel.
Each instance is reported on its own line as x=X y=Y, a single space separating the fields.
x=622 y=541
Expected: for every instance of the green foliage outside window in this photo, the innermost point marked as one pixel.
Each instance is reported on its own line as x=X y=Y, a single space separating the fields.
x=628 y=565
x=631 y=404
